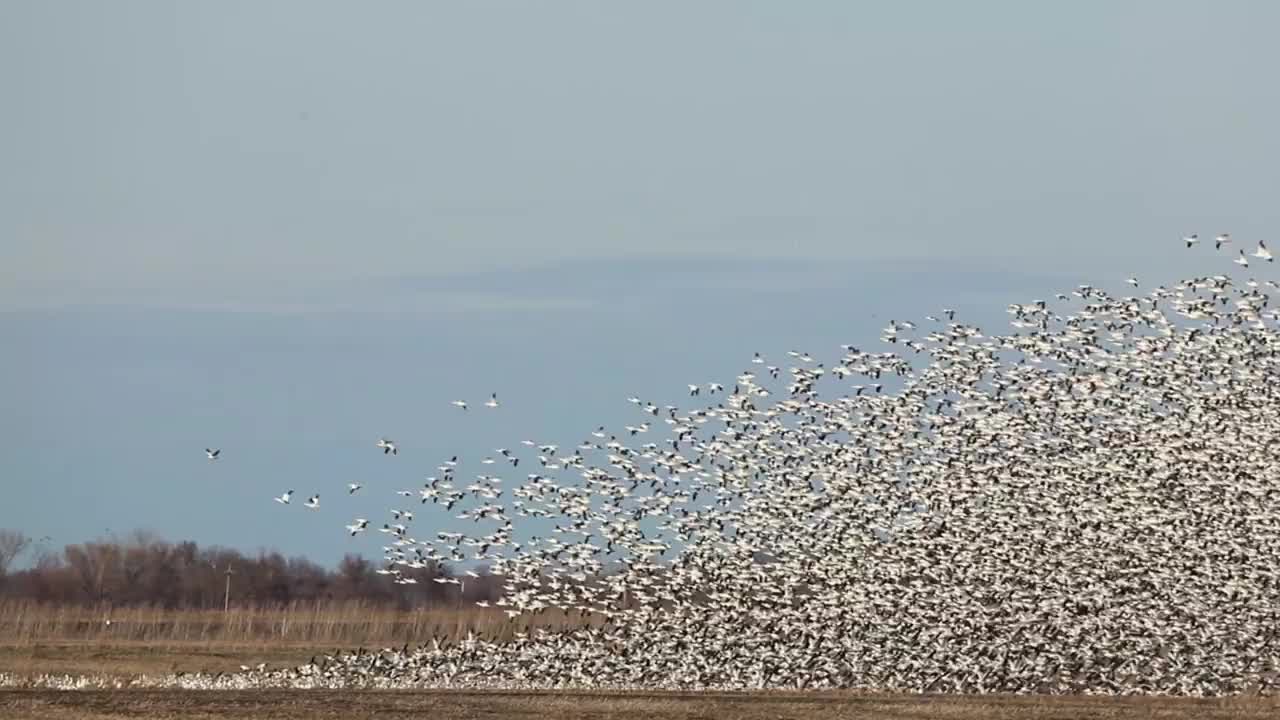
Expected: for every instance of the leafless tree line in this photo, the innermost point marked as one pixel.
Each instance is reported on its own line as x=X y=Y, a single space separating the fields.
x=142 y=569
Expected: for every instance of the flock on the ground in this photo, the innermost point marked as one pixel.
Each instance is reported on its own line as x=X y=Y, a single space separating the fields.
x=1087 y=503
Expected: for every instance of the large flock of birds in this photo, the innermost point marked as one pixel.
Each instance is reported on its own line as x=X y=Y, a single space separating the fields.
x=1089 y=503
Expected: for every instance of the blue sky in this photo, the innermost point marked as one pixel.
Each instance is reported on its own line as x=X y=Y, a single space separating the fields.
x=288 y=228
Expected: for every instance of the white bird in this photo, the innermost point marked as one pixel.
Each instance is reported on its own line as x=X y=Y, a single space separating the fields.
x=1132 y=281
x=353 y=487
x=1262 y=252
x=1191 y=239
x=284 y=499
x=1221 y=240
x=492 y=401
x=387 y=446
x=312 y=502
x=358 y=526
x=1242 y=261
x=213 y=454
x=459 y=403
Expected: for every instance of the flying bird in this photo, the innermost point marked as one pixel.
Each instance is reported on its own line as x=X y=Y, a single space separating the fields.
x=213 y=454
x=1262 y=252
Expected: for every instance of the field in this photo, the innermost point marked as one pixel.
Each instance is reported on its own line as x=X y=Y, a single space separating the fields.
x=35 y=639
x=321 y=623
x=468 y=705
x=42 y=639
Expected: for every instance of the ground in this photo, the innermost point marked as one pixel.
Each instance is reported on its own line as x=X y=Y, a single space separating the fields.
x=136 y=658
x=387 y=705
x=127 y=659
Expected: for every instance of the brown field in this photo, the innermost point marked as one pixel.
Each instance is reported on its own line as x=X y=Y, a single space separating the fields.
x=36 y=639
x=469 y=705
x=321 y=624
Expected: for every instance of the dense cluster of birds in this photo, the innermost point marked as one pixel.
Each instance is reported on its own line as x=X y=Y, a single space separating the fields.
x=1088 y=503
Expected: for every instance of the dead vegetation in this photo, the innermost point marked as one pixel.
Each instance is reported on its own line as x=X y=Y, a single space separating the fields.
x=351 y=624
x=37 y=638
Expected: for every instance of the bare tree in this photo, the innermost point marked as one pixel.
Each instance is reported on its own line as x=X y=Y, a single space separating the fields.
x=142 y=569
x=97 y=567
x=12 y=543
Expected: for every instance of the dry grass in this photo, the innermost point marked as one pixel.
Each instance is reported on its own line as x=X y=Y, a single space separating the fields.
x=355 y=705
x=324 y=623
x=132 y=659
x=38 y=638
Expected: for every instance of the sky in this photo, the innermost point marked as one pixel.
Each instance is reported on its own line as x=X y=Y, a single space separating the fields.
x=289 y=228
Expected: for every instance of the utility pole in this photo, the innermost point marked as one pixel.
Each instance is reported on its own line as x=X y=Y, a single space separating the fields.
x=226 y=594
